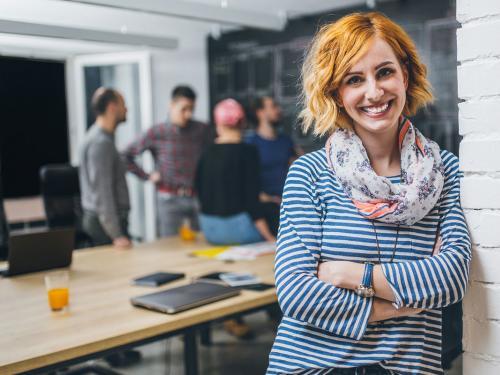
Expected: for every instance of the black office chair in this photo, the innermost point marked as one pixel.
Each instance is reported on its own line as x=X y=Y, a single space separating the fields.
x=4 y=228
x=60 y=188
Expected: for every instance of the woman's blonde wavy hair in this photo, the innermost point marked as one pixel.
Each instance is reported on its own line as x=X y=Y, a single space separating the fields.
x=335 y=49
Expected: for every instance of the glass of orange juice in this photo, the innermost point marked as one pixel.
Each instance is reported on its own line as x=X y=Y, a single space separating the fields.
x=57 y=285
x=186 y=232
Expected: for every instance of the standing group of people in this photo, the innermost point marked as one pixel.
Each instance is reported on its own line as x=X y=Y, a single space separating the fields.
x=227 y=184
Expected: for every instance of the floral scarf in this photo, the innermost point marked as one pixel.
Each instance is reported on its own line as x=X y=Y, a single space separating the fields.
x=376 y=197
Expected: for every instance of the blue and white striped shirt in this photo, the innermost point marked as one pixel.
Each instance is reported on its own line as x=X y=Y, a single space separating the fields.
x=326 y=327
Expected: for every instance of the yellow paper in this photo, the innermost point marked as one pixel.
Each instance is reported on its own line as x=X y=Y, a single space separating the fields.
x=211 y=252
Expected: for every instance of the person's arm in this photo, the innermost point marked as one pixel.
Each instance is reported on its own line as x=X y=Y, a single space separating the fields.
x=433 y=282
x=134 y=149
x=263 y=229
x=101 y=170
x=251 y=191
x=440 y=280
x=301 y=294
x=346 y=274
x=384 y=310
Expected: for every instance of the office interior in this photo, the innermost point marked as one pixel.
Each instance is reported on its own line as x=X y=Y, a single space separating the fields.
x=54 y=54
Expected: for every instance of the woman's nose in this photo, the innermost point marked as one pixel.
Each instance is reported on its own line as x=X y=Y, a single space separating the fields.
x=373 y=91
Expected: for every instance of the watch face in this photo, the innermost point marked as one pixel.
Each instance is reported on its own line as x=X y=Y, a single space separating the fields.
x=364 y=291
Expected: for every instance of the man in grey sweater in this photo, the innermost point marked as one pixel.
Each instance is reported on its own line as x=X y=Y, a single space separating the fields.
x=104 y=192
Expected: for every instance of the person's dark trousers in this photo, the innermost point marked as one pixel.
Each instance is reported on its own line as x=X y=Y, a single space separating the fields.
x=365 y=370
x=92 y=226
x=271 y=213
x=272 y=216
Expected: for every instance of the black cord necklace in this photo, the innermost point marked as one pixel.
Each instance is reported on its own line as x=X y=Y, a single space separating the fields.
x=378 y=246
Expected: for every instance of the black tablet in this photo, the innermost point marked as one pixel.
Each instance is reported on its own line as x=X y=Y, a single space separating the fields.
x=157 y=278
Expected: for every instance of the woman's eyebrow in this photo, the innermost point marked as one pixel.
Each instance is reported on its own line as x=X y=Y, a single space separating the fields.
x=377 y=67
x=383 y=64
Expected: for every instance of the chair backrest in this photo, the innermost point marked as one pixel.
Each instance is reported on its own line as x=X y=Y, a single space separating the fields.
x=4 y=228
x=60 y=189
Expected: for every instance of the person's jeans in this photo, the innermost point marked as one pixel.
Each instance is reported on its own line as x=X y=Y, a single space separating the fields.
x=229 y=230
x=172 y=210
x=92 y=226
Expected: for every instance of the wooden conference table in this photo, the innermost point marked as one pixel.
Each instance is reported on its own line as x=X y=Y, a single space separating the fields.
x=101 y=319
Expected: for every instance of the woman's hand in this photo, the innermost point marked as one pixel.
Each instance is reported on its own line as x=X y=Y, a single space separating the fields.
x=264 y=231
x=348 y=275
x=383 y=310
x=266 y=198
x=342 y=274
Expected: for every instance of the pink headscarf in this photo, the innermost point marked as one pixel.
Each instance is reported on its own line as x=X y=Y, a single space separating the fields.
x=228 y=112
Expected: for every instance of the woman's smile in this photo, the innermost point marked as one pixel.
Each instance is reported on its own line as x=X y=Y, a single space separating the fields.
x=377 y=111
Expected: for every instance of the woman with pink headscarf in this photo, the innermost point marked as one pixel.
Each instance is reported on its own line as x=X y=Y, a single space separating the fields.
x=227 y=183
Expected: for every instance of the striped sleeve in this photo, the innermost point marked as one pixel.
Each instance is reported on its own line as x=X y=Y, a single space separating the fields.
x=301 y=294
x=440 y=280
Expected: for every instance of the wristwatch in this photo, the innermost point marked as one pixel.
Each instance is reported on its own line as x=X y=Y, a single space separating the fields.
x=365 y=289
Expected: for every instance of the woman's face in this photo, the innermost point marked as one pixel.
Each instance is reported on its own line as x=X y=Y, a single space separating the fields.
x=373 y=92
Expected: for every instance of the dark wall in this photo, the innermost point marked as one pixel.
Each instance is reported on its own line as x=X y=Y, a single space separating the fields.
x=247 y=63
x=34 y=122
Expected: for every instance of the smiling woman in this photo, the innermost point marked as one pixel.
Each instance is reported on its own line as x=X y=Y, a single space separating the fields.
x=372 y=241
x=324 y=72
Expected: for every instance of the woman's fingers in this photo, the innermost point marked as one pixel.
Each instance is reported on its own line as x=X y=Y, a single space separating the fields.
x=437 y=246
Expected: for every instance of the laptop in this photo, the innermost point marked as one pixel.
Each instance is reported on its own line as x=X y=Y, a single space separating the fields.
x=185 y=297
x=39 y=250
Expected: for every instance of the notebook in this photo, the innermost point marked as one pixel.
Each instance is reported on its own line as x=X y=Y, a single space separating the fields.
x=39 y=250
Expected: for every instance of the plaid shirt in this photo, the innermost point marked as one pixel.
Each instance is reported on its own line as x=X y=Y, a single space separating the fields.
x=175 y=151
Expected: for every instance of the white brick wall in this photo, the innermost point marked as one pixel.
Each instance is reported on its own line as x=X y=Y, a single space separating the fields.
x=480 y=364
x=484 y=226
x=480 y=154
x=479 y=190
x=479 y=116
x=476 y=77
x=478 y=51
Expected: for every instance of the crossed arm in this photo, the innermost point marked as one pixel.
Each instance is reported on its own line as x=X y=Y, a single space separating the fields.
x=427 y=283
x=307 y=291
x=348 y=275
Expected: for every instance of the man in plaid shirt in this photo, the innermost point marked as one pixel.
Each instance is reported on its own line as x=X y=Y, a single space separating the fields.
x=176 y=146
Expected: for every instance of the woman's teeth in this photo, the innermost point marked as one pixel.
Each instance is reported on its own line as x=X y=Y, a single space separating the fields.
x=376 y=110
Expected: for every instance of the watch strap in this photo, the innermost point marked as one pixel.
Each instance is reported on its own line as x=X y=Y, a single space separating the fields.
x=367 y=275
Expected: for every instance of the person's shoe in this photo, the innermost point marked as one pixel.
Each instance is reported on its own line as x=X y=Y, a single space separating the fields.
x=123 y=359
x=238 y=329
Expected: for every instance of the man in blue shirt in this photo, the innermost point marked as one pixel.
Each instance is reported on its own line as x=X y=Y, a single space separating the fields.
x=276 y=152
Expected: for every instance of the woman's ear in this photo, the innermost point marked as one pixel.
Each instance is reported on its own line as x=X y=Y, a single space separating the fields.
x=336 y=98
x=406 y=74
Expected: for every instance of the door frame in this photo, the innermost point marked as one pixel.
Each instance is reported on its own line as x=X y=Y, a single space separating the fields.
x=76 y=103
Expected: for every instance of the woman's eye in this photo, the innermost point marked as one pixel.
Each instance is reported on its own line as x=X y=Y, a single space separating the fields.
x=353 y=80
x=384 y=72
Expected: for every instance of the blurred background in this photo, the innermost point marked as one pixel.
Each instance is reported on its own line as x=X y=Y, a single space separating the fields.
x=54 y=54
